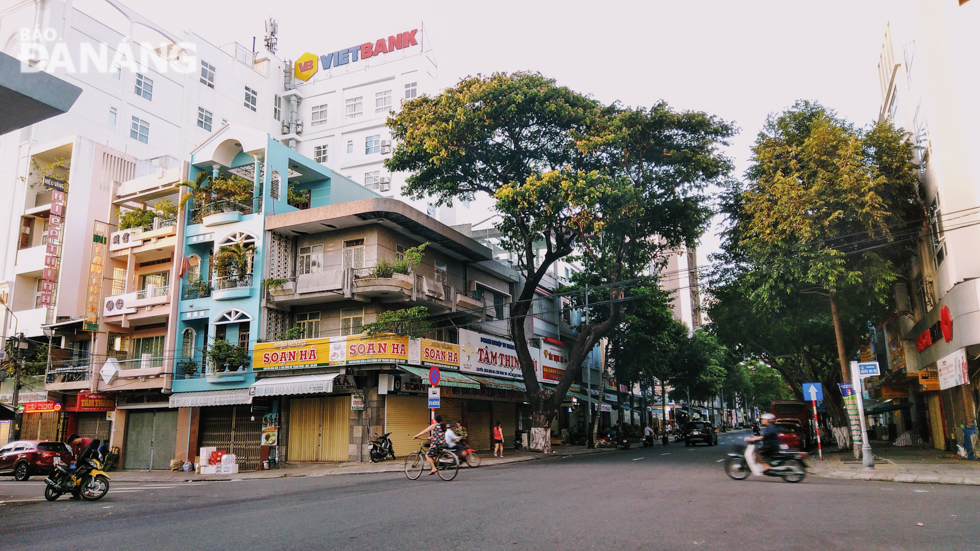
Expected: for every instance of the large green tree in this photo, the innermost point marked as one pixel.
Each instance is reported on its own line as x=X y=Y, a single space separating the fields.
x=621 y=186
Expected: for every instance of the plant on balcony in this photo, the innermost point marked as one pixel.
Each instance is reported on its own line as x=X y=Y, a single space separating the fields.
x=213 y=195
x=413 y=322
x=273 y=284
x=383 y=269
x=59 y=169
x=234 y=261
x=188 y=367
x=293 y=334
x=201 y=287
x=139 y=218
x=225 y=356
x=297 y=198
x=411 y=258
x=167 y=212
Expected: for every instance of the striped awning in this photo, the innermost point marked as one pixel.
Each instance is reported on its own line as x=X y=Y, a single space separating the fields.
x=500 y=384
x=449 y=378
x=209 y=398
x=300 y=384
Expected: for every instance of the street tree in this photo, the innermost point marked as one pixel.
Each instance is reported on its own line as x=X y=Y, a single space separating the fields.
x=620 y=185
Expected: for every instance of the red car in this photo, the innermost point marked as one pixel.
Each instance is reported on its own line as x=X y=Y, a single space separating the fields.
x=25 y=458
x=789 y=436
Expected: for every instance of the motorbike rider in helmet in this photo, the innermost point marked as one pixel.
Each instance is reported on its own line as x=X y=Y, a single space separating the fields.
x=770 y=440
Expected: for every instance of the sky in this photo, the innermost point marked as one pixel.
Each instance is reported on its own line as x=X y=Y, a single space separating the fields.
x=739 y=60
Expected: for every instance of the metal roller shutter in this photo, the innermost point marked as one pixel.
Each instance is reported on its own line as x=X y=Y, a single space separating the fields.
x=304 y=429
x=319 y=429
x=94 y=425
x=405 y=416
x=231 y=428
x=504 y=412
x=480 y=429
x=451 y=410
x=336 y=428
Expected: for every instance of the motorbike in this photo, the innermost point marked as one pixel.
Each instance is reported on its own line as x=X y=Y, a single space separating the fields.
x=623 y=441
x=381 y=448
x=463 y=447
x=518 y=440
x=86 y=478
x=648 y=441
x=788 y=464
x=756 y=430
x=665 y=439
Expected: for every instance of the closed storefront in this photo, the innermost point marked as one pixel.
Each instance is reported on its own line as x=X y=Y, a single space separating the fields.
x=94 y=425
x=451 y=410
x=319 y=428
x=151 y=436
x=505 y=412
x=479 y=417
x=235 y=430
x=405 y=416
x=40 y=426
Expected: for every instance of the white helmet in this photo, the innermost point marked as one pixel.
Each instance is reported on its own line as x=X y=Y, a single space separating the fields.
x=768 y=417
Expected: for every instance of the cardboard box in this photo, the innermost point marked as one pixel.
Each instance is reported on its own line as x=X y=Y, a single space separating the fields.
x=229 y=469
x=228 y=459
x=206 y=454
x=209 y=469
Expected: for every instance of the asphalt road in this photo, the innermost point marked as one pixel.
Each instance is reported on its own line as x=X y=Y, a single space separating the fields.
x=644 y=498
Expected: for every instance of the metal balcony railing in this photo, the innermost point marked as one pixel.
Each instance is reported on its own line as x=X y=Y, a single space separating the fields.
x=214 y=206
x=161 y=291
x=191 y=291
x=68 y=372
x=143 y=363
x=233 y=282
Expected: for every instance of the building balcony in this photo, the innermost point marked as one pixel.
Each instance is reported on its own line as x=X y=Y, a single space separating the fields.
x=30 y=261
x=195 y=290
x=30 y=321
x=69 y=375
x=163 y=235
x=235 y=287
x=221 y=212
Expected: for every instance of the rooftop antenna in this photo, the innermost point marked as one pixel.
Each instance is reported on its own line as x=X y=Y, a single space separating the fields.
x=271 y=35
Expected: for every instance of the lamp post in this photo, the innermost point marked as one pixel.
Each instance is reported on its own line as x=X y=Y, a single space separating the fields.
x=15 y=399
x=49 y=333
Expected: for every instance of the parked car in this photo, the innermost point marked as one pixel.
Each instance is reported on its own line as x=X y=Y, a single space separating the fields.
x=801 y=430
x=26 y=458
x=700 y=431
x=790 y=436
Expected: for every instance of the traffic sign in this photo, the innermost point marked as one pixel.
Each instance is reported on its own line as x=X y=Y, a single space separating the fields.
x=813 y=392
x=434 y=396
x=434 y=376
x=868 y=369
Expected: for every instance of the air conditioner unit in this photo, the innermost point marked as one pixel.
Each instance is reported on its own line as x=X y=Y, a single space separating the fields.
x=385 y=147
x=299 y=127
x=385 y=182
x=385 y=187
x=285 y=128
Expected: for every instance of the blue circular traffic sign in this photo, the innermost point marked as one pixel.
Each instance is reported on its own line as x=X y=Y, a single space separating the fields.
x=434 y=376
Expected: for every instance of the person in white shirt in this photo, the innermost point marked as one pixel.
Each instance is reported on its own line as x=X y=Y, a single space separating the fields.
x=451 y=441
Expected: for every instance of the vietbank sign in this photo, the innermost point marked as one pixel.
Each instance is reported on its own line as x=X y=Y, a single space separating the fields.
x=308 y=64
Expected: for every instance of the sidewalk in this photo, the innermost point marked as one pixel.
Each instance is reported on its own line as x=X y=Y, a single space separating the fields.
x=298 y=470
x=904 y=464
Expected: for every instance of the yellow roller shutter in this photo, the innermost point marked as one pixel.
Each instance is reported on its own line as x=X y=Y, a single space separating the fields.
x=335 y=440
x=405 y=416
x=304 y=429
x=504 y=412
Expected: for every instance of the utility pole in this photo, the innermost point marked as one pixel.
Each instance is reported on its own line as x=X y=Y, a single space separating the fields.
x=18 y=370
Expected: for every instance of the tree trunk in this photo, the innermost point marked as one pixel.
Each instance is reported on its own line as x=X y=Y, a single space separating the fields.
x=842 y=356
x=598 y=409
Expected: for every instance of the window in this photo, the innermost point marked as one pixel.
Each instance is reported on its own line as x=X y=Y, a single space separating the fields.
x=112 y=115
x=251 y=98
x=430 y=209
x=350 y=146
x=320 y=153
x=372 y=144
x=277 y=107
x=204 y=118
x=243 y=334
x=319 y=114
x=309 y=322
x=194 y=272
x=354 y=253
x=382 y=101
x=158 y=279
x=116 y=72
x=207 y=74
x=352 y=108
x=498 y=306
x=144 y=87
x=187 y=343
x=37 y=295
x=399 y=252
x=893 y=107
x=275 y=185
x=310 y=260
x=44 y=231
x=411 y=90
x=118 y=281
x=140 y=131
x=351 y=320
x=938 y=232
x=441 y=273
x=152 y=346
x=372 y=180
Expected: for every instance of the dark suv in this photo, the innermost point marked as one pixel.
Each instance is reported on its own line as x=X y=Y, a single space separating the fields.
x=700 y=431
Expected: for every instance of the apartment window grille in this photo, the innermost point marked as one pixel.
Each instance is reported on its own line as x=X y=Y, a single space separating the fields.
x=144 y=87
x=187 y=343
x=309 y=322
x=372 y=144
x=140 y=130
x=118 y=281
x=251 y=98
x=320 y=153
x=277 y=107
x=938 y=232
x=498 y=306
x=372 y=180
x=351 y=320
x=382 y=101
x=354 y=253
x=442 y=275
x=319 y=115
x=310 y=260
x=399 y=252
x=353 y=107
x=112 y=115
x=207 y=74
x=204 y=118
x=411 y=90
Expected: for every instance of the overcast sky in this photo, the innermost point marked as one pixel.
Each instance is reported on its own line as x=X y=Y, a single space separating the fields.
x=739 y=60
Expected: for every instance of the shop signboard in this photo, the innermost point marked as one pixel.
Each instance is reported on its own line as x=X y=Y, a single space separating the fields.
x=344 y=383
x=40 y=407
x=489 y=355
x=307 y=65
x=94 y=402
x=554 y=360
x=296 y=354
x=362 y=349
x=851 y=405
x=895 y=346
x=96 y=273
x=270 y=429
x=357 y=402
x=952 y=370
x=52 y=251
x=440 y=354
x=894 y=392
x=929 y=381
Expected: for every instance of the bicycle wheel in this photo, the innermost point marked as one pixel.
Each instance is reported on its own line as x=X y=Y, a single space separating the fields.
x=413 y=465
x=473 y=460
x=448 y=465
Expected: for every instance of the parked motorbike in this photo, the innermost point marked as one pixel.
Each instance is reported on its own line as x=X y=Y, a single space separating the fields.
x=381 y=448
x=623 y=441
x=86 y=478
x=787 y=464
x=518 y=441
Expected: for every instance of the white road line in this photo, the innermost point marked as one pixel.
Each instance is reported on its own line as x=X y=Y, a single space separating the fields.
x=720 y=460
x=665 y=454
x=638 y=458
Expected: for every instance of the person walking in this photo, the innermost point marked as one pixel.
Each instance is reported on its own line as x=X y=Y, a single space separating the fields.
x=498 y=440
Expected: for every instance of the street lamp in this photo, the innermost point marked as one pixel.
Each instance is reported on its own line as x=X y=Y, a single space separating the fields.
x=49 y=333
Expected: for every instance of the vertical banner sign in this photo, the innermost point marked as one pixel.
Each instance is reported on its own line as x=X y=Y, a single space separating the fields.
x=96 y=271
x=850 y=403
x=52 y=253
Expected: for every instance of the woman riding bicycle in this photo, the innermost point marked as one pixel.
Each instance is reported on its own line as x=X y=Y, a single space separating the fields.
x=437 y=442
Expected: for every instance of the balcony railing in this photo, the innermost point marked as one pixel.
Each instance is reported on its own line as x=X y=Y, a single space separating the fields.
x=69 y=373
x=143 y=363
x=233 y=282
x=207 y=208
x=191 y=291
x=161 y=291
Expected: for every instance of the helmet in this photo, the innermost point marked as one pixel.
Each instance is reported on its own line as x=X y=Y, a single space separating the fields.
x=768 y=417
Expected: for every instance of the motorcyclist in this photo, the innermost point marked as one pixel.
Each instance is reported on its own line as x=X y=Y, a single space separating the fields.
x=770 y=440
x=648 y=433
x=453 y=442
x=80 y=449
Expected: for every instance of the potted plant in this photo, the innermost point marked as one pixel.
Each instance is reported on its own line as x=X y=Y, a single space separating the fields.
x=225 y=356
x=188 y=368
x=277 y=286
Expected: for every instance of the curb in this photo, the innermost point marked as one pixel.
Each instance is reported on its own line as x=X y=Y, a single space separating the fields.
x=905 y=478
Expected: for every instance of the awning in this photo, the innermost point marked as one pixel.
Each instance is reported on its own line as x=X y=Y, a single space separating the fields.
x=502 y=384
x=302 y=384
x=449 y=378
x=210 y=398
x=568 y=395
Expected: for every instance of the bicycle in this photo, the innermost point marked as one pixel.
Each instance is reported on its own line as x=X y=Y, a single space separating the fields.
x=447 y=464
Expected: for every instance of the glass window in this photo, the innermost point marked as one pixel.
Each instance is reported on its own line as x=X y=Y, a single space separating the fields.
x=354 y=253
x=243 y=334
x=37 y=295
x=310 y=260
x=187 y=343
x=498 y=306
x=207 y=74
x=430 y=209
x=372 y=180
x=351 y=320
x=350 y=146
x=159 y=279
x=353 y=108
x=399 y=252
x=140 y=130
x=251 y=98
x=310 y=323
x=319 y=114
x=144 y=87
x=149 y=345
x=116 y=72
x=382 y=101
x=204 y=118
x=112 y=115
x=441 y=273
x=372 y=144
x=118 y=281
x=277 y=107
x=411 y=90
x=320 y=153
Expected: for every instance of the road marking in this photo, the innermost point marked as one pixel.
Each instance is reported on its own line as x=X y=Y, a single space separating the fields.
x=921 y=491
x=720 y=460
x=665 y=453
x=638 y=458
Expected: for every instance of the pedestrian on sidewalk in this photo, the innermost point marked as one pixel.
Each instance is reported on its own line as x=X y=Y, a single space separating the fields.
x=498 y=440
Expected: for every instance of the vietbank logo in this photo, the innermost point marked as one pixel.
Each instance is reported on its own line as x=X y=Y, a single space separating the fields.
x=308 y=64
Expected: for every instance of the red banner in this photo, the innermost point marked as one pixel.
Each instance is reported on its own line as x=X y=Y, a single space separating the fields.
x=41 y=407
x=93 y=402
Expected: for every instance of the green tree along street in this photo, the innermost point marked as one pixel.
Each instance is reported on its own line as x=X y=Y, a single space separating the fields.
x=620 y=186
x=815 y=239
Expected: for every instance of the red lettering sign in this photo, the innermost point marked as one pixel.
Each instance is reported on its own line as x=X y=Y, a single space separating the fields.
x=923 y=341
x=946 y=324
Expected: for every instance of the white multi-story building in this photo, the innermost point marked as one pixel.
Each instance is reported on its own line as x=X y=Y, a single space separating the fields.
x=679 y=277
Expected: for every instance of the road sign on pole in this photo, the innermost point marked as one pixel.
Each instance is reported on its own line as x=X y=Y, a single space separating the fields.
x=434 y=396
x=814 y=391
x=868 y=369
x=434 y=376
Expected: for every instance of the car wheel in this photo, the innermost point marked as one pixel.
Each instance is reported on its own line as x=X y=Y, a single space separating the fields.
x=21 y=472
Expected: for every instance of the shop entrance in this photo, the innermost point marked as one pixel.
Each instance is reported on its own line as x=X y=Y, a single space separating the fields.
x=319 y=428
x=235 y=430
x=94 y=425
x=39 y=426
x=151 y=437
